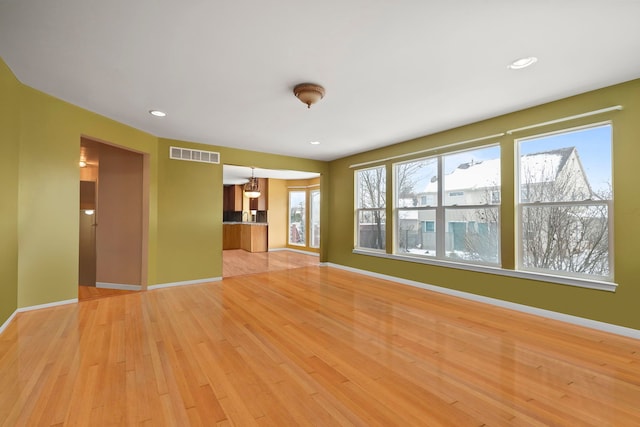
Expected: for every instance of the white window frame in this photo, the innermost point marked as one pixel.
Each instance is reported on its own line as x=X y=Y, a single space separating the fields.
x=359 y=209
x=520 y=205
x=312 y=206
x=440 y=213
x=303 y=217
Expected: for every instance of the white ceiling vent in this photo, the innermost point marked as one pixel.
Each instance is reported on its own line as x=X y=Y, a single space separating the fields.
x=179 y=153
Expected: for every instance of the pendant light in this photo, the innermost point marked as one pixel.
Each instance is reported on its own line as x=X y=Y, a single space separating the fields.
x=252 y=188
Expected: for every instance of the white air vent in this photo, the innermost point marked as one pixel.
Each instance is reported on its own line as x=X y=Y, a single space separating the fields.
x=179 y=153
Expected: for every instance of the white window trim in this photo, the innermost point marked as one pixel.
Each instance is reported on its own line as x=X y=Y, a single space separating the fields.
x=440 y=210
x=541 y=277
x=303 y=245
x=313 y=189
x=520 y=268
x=357 y=210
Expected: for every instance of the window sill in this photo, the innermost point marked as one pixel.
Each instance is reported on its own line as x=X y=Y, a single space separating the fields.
x=562 y=280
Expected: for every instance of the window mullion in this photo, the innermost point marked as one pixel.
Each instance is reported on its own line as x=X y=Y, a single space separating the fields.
x=440 y=217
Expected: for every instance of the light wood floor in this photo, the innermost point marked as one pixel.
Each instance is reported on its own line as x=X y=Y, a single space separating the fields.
x=237 y=262
x=91 y=292
x=309 y=346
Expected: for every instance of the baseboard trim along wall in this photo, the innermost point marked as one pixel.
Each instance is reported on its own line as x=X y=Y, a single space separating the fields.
x=581 y=321
x=36 y=307
x=186 y=282
x=120 y=286
x=300 y=251
x=48 y=305
x=7 y=322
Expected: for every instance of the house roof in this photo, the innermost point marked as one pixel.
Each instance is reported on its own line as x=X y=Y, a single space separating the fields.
x=535 y=167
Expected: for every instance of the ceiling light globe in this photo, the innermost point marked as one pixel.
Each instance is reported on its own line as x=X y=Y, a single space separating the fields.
x=308 y=93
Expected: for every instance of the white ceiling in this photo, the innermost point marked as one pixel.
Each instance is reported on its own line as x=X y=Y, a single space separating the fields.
x=393 y=70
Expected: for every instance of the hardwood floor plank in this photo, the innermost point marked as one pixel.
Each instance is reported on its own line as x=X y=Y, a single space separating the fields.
x=309 y=346
x=238 y=262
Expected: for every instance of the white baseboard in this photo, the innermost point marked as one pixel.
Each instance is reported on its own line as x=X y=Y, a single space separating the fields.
x=36 y=307
x=575 y=320
x=186 y=282
x=300 y=251
x=6 y=323
x=120 y=286
x=48 y=305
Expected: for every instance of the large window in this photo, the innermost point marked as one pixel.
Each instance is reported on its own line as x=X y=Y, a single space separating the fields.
x=447 y=206
x=371 y=185
x=416 y=191
x=565 y=198
x=314 y=218
x=297 y=217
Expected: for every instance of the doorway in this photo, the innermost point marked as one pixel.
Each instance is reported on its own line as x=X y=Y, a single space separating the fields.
x=274 y=186
x=113 y=220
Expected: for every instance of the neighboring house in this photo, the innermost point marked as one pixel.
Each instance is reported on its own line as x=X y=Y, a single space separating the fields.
x=554 y=175
x=478 y=182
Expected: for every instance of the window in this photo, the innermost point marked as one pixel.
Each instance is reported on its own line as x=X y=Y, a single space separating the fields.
x=371 y=185
x=415 y=225
x=314 y=237
x=565 y=198
x=458 y=214
x=472 y=206
x=297 y=217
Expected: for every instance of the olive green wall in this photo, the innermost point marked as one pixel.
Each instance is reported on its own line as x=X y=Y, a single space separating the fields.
x=190 y=207
x=48 y=198
x=40 y=192
x=620 y=308
x=189 y=217
x=9 y=141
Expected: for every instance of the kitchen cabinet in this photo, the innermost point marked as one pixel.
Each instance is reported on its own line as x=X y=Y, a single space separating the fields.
x=254 y=238
x=231 y=236
x=232 y=198
x=250 y=236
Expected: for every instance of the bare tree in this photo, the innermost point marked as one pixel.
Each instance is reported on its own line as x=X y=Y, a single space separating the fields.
x=373 y=190
x=565 y=223
x=408 y=176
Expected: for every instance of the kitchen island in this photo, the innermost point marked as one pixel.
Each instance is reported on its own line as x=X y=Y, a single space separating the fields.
x=250 y=236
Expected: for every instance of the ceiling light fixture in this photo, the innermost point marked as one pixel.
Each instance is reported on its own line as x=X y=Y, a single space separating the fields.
x=157 y=113
x=308 y=93
x=521 y=63
x=252 y=188
x=314 y=142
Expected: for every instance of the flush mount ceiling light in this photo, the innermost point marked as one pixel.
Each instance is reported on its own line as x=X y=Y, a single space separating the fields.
x=252 y=188
x=314 y=142
x=157 y=113
x=521 y=63
x=308 y=93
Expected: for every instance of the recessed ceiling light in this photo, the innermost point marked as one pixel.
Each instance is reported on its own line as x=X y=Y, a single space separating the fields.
x=157 y=113
x=521 y=63
x=314 y=142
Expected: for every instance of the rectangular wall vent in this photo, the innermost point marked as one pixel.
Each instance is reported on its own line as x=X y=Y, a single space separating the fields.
x=178 y=153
